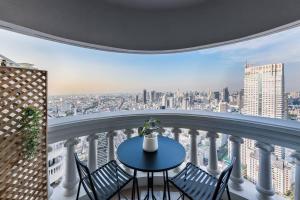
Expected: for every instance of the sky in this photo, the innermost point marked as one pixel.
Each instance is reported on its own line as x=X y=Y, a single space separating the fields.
x=76 y=70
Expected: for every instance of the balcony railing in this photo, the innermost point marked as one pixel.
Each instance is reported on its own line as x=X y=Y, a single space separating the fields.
x=265 y=131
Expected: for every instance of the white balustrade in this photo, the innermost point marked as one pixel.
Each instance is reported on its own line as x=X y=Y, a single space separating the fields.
x=92 y=152
x=212 y=167
x=193 y=151
x=264 y=184
x=238 y=126
x=71 y=175
x=236 y=178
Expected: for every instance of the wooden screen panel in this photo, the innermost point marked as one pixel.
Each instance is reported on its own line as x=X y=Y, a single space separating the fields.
x=21 y=178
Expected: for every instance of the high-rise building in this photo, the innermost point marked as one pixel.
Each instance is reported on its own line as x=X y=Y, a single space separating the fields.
x=153 y=96
x=264 y=91
x=223 y=107
x=282 y=176
x=264 y=96
x=225 y=95
x=216 y=95
x=241 y=99
x=145 y=96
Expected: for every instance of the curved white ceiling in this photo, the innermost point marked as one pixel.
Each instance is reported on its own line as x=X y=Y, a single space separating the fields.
x=148 y=26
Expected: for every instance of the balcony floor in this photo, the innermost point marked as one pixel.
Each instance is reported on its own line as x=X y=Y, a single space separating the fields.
x=248 y=193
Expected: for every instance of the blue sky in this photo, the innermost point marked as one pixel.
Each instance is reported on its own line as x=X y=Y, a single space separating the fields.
x=75 y=70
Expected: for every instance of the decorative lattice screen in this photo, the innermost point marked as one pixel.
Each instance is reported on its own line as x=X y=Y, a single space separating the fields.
x=21 y=178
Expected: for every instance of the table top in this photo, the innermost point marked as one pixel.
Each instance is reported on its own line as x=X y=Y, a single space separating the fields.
x=169 y=155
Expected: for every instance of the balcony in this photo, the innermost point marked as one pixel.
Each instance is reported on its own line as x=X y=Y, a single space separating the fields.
x=265 y=131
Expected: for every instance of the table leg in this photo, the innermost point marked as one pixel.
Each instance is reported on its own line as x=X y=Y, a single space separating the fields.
x=150 y=180
x=164 y=178
x=168 y=186
x=137 y=189
x=152 y=186
x=135 y=185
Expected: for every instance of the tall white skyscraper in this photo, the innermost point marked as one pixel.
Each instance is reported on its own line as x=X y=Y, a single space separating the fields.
x=264 y=96
x=264 y=91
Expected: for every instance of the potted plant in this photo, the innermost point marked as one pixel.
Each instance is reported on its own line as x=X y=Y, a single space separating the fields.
x=150 y=130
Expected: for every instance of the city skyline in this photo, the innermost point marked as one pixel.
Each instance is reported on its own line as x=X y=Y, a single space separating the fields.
x=75 y=70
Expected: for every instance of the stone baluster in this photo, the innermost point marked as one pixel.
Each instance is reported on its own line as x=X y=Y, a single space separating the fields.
x=236 y=178
x=176 y=132
x=264 y=184
x=71 y=175
x=128 y=133
x=193 y=151
x=296 y=156
x=50 y=189
x=212 y=167
x=111 y=145
x=92 y=152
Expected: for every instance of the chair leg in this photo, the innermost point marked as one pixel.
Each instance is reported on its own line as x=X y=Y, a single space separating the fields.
x=78 y=191
x=138 y=189
x=228 y=194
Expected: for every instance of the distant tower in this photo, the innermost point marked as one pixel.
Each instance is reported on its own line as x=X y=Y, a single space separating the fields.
x=164 y=100
x=136 y=98
x=241 y=99
x=152 y=96
x=217 y=96
x=264 y=91
x=145 y=96
x=263 y=96
x=225 y=95
x=171 y=102
x=186 y=103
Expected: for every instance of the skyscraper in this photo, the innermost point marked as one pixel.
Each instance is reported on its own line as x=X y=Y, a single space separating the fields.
x=241 y=99
x=264 y=96
x=217 y=95
x=264 y=91
x=153 y=96
x=225 y=95
x=145 y=96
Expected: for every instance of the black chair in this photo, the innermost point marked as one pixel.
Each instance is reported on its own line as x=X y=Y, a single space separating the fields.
x=103 y=183
x=197 y=184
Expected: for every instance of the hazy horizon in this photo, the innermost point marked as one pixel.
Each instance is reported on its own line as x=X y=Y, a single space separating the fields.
x=75 y=70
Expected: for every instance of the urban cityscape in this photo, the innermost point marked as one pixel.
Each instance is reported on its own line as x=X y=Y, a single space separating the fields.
x=263 y=94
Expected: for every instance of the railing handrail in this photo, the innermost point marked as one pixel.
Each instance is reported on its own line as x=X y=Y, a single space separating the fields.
x=273 y=131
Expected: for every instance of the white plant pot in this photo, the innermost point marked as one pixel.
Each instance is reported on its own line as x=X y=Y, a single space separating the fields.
x=150 y=143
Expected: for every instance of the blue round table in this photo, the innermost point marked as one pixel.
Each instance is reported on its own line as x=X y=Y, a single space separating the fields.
x=170 y=154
